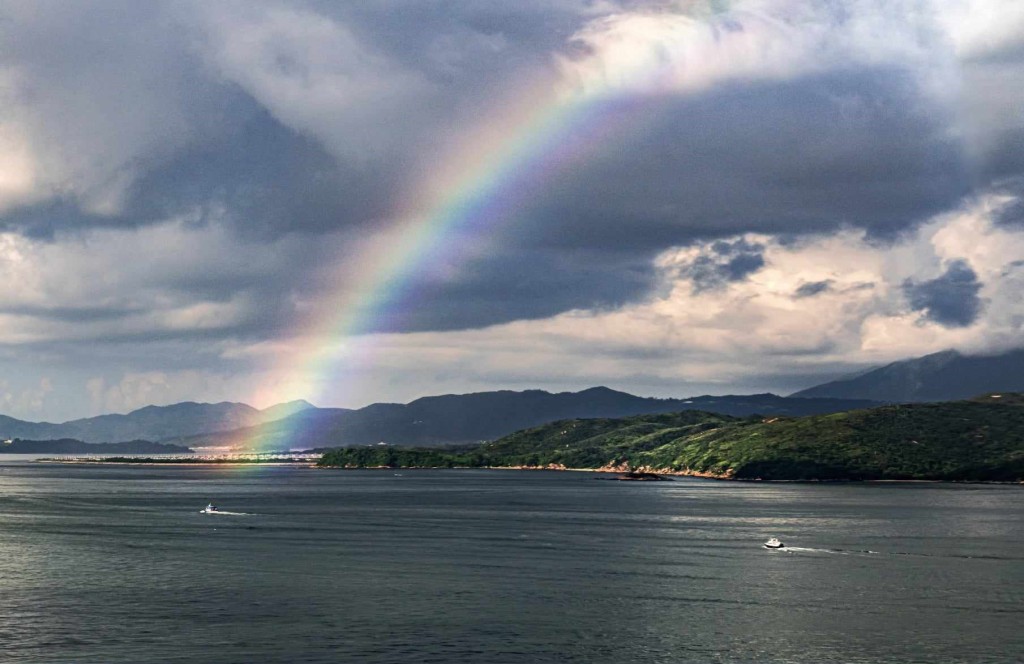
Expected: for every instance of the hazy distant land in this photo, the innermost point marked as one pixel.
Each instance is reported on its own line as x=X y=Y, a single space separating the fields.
x=71 y=446
x=205 y=459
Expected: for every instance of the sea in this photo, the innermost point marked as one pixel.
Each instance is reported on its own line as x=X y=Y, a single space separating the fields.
x=114 y=563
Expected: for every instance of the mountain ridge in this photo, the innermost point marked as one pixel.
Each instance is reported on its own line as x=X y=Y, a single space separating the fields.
x=944 y=376
x=151 y=422
x=72 y=446
x=454 y=419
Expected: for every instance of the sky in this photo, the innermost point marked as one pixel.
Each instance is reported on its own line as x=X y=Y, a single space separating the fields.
x=374 y=201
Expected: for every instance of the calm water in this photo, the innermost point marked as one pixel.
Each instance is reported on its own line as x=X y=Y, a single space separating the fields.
x=114 y=564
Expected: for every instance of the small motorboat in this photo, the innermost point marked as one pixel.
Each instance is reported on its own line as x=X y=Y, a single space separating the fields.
x=773 y=543
x=209 y=509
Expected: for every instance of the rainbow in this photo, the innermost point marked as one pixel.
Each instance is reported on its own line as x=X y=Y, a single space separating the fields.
x=501 y=172
x=499 y=166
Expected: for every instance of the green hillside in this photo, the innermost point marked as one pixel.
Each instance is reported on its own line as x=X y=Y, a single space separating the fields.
x=977 y=440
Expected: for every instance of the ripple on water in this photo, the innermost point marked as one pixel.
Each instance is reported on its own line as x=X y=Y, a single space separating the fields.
x=496 y=566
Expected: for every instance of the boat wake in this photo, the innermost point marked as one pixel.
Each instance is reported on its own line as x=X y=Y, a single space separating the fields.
x=893 y=554
x=211 y=509
x=839 y=552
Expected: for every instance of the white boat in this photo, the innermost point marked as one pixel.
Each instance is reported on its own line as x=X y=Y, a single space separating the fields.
x=209 y=509
x=773 y=543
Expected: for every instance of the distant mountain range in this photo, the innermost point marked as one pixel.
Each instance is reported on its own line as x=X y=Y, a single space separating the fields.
x=151 y=423
x=436 y=420
x=70 y=446
x=457 y=419
x=945 y=376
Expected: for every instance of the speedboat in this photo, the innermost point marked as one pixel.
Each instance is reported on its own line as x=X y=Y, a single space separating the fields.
x=773 y=543
x=209 y=509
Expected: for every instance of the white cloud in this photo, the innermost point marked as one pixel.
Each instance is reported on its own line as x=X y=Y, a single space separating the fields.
x=651 y=50
x=133 y=390
x=314 y=74
x=89 y=94
x=28 y=401
x=17 y=167
x=982 y=28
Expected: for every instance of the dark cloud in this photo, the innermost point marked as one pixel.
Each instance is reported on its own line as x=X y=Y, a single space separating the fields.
x=45 y=219
x=521 y=284
x=813 y=288
x=855 y=146
x=782 y=157
x=254 y=173
x=1006 y=157
x=951 y=299
x=1012 y=213
x=726 y=262
x=266 y=179
x=789 y=157
x=848 y=148
x=741 y=265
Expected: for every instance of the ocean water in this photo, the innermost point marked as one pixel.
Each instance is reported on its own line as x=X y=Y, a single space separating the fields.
x=115 y=564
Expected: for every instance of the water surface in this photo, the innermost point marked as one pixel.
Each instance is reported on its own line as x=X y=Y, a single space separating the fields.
x=115 y=564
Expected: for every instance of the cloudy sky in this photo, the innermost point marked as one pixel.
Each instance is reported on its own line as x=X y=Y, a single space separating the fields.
x=377 y=200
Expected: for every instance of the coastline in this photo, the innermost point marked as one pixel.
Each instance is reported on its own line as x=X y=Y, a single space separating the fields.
x=610 y=470
x=606 y=470
x=281 y=460
x=180 y=464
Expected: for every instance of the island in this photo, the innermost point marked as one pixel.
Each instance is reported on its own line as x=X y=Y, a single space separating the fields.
x=980 y=439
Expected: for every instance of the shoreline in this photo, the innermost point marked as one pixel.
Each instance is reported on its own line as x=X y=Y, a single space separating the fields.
x=149 y=461
x=672 y=474
x=180 y=464
x=608 y=470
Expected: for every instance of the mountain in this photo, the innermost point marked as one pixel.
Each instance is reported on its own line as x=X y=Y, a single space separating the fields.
x=71 y=446
x=152 y=422
x=283 y=410
x=466 y=418
x=941 y=376
x=979 y=440
x=447 y=419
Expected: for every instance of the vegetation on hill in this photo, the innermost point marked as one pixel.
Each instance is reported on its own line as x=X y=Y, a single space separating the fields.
x=974 y=440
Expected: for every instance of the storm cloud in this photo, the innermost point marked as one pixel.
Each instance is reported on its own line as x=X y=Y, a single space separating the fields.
x=201 y=176
x=950 y=299
x=725 y=262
